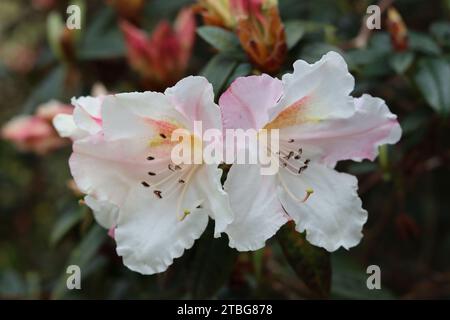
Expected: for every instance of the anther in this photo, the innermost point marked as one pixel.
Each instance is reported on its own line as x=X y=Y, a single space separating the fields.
x=150 y=158
x=162 y=135
x=181 y=181
x=145 y=184
x=309 y=192
x=291 y=140
x=158 y=194
x=185 y=214
x=289 y=155
x=151 y=173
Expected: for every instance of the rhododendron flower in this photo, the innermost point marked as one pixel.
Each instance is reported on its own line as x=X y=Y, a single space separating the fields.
x=162 y=58
x=319 y=124
x=35 y=133
x=261 y=33
x=122 y=160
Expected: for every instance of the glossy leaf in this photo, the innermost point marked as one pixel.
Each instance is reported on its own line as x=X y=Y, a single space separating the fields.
x=432 y=79
x=219 y=38
x=310 y=263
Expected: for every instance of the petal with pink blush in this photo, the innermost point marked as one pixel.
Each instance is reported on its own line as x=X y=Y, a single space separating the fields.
x=324 y=87
x=193 y=97
x=247 y=102
x=356 y=137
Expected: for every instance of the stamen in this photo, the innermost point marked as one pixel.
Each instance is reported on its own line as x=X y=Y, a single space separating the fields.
x=151 y=173
x=145 y=184
x=185 y=214
x=291 y=153
x=150 y=158
x=302 y=168
x=158 y=194
x=162 y=135
x=291 y=140
x=309 y=192
x=181 y=181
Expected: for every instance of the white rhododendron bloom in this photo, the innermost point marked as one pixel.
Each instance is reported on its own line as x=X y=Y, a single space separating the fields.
x=319 y=124
x=122 y=160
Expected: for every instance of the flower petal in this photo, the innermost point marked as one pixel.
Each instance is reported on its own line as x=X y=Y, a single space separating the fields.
x=356 y=137
x=138 y=114
x=150 y=235
x=87 y=114
x=105 y=213
x=332 y=215
x=317 y=91
x=193 y=97
x=206 y=182
x=108 y=169
x=247 y=102
x=257 y=209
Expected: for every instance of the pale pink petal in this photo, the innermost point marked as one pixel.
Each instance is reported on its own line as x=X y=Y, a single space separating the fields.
x=193 y=97
x=356 y=137
x=317 y=91
x=247 y=101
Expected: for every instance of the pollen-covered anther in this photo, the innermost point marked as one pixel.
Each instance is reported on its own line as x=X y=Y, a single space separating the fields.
x=186 y=212
x=158 y=194
x=309 y=192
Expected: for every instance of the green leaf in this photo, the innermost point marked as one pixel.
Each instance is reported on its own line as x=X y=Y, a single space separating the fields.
x=422 y=42
x=64 y=224
x=84 y=256
x=51 y=87
x=242 y=70
x=218 y=70
x=103 y=39
x=433 y=78
x=295 y=30
x=310 y=263
x=212 y=264
x=401 y=61
x=219 y=38
x=441 y=32
x=350 y=281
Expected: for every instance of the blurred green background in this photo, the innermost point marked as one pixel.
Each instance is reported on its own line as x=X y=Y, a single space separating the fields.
x=43 y=228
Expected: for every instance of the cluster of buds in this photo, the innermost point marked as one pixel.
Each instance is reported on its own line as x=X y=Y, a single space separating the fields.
x=397 y=30
x=257 y=24
x=162 y=58
x=35 y=133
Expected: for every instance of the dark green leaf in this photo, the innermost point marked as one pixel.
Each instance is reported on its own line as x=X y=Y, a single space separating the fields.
x=400 y=62
x=312 y=264
x=84 y=256
x=66 y=222
x=295 y=30
x=212 y=264
x=433 y=78
x=51 y=87
x=218 y=70
x=103 y=39
x=219 y=38
x=422 y=42
x=441 y=32
x=242 y=70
